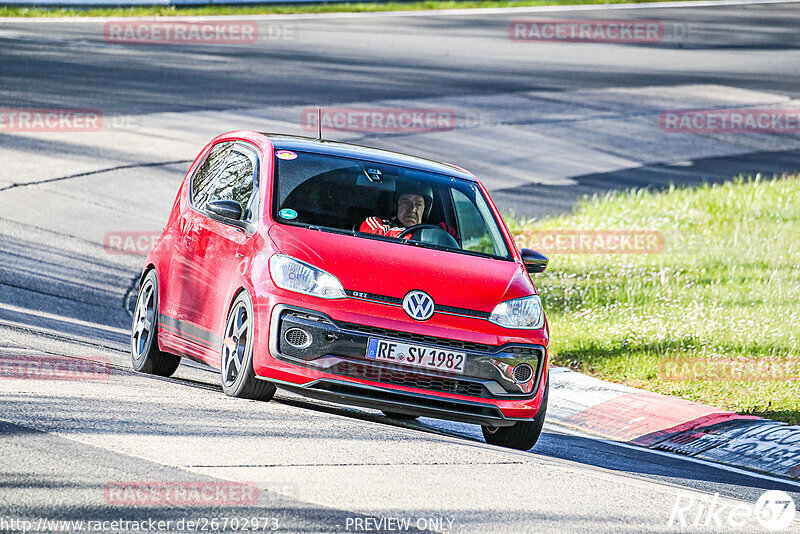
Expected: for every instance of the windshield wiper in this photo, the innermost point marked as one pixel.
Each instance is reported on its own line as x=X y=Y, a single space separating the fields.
x=379 y=237
x=434 y=246
x=354 y=233
x=331 y=230
x=410 y=242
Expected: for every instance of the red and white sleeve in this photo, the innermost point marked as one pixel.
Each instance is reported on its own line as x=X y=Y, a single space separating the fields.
x=374 y=225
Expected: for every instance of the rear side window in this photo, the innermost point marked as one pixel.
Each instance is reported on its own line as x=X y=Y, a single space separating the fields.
x=207 y=172
x=234 y=182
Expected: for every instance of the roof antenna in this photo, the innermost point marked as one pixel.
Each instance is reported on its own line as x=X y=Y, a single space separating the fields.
x=319 y=124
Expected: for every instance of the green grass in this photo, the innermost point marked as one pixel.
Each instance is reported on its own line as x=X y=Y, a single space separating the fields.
x=271 y=9
x=714 y=317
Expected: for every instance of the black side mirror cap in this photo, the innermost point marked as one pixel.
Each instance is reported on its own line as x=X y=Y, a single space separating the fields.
x=228 y=209
x=535 y=262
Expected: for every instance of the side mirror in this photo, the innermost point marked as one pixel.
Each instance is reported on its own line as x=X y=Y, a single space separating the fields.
x=535 y=262
x=229 y=209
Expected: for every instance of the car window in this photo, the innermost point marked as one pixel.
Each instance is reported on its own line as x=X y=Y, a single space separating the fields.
x=228 y=173
x=235 y=181
x=476 y=235
x=207 y=172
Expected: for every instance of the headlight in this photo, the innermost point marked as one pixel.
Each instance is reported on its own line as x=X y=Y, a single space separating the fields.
x=525 y=312
x=295 y=275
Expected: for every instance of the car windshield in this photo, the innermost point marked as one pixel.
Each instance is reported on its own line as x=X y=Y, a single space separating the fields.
x=382 y=201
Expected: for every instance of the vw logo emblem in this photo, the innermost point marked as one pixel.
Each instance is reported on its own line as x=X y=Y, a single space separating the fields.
x=418 y=305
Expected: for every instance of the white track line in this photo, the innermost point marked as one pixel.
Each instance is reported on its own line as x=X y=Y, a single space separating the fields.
x=387 y=14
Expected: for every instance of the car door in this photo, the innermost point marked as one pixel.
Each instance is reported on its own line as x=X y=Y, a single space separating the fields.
x=179 y=301
x=216 y=241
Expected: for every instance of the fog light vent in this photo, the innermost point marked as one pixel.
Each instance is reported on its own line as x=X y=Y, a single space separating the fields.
x=298 y=338
x=523 y=373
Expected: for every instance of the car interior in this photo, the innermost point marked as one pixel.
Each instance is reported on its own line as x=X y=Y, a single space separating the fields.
x=344 y=198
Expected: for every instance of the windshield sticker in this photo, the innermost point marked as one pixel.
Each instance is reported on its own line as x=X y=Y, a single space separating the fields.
x=288 y=213
x=286 y=154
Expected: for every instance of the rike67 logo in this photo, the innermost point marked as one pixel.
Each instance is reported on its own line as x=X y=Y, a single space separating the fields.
x=775 y=511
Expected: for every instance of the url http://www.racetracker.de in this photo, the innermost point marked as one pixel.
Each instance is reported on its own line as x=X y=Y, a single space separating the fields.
x=194 y=524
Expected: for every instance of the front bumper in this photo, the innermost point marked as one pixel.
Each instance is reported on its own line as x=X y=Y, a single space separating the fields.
x=337 y=369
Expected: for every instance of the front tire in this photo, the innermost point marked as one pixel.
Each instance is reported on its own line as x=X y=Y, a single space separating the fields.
x=521 y=435
x=236 y=360
x=146 y=357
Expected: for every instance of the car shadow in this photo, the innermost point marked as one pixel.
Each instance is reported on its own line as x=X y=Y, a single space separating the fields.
x=562 y=444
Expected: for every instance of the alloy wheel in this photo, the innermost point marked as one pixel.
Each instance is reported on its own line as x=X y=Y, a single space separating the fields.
x=143 y=321
x=236 y=344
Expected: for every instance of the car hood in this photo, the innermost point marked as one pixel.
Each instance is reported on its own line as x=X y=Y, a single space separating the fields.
x=393 y=269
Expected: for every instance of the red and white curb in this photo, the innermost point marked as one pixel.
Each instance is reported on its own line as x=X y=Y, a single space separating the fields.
x=670 y=424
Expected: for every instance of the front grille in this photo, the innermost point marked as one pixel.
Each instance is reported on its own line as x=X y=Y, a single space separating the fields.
x=372 y=296
x=410 y=379
x=396 y=301
x=306 y=316
x=431 y=340
x=529 y=351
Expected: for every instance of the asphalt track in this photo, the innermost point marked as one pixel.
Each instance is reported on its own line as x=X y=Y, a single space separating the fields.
x=540 y=123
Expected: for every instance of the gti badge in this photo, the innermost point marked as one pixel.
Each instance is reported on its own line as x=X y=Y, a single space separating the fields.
x=418 y=305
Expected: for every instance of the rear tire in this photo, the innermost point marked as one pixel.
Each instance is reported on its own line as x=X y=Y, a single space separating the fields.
x=236 y=359
x=521 y=435
x=399 y=416
x=146 y=357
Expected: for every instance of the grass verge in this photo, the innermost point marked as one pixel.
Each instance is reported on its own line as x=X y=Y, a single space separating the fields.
x=285 y=9
x=714 y=317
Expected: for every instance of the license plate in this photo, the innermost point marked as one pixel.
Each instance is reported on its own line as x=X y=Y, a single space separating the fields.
x=416 y=355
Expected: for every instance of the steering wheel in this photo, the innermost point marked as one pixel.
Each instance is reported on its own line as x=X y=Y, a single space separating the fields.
x=440 y=237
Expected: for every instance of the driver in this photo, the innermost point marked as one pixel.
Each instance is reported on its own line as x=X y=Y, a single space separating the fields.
x=412 y=203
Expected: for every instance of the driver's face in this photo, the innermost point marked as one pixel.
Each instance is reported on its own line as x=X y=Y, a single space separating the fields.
x=410 y=209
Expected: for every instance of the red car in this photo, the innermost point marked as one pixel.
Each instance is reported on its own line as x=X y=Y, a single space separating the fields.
x=350 y=274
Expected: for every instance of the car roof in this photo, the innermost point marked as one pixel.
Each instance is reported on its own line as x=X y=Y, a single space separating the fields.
x=337 y=148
